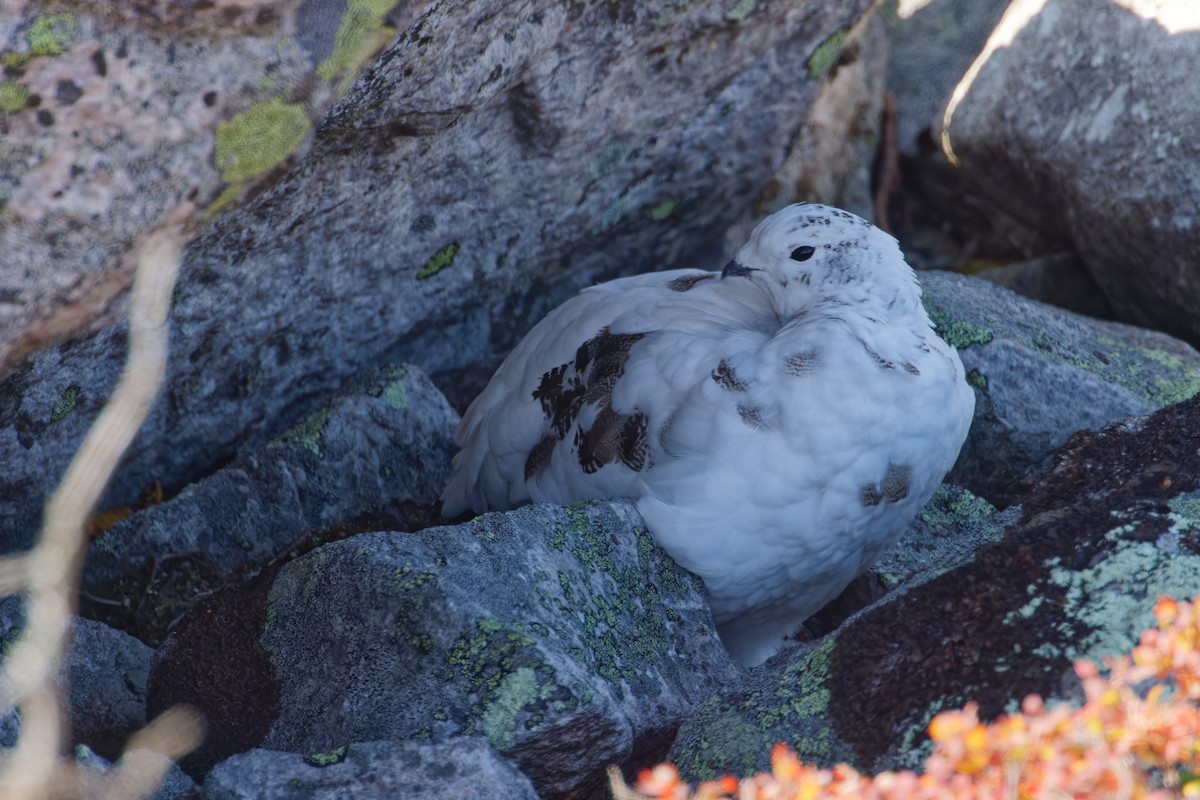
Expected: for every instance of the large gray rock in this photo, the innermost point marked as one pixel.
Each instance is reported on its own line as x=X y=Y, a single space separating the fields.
x=466 y=768
x=1080 y=125
x=1075 y=574
x=496 y=158
x=1042 y=373
x=378 y=454
x=566 y=637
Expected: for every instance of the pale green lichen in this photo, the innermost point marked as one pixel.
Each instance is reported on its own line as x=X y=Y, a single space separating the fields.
x=664 y=209
x=259 y=139
x=517 y=690
x=1178 y=389
x=330 y=758
x=957 y=333
x=1114 y=597
x=307 y=434
x=978 y=380
x=49 y=34
x=395 y=396
x=612 y=215
x=441 y=259
x=741 y=11
x=611 y=156
x=826 y=55
x=362 y=31
x=13 y=97
x=66 y=403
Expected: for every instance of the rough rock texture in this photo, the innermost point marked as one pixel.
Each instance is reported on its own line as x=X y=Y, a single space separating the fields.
x=106 y=672
x=830 y=160
x=1041 y=374
x=465 y=768
x=1079 y=126
x=114 y=116
x=1077 y=575
x=564 y=636
x=375 y=456
x=495 y=158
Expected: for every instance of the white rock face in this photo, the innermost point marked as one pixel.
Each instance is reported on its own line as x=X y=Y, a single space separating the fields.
x=780 y=423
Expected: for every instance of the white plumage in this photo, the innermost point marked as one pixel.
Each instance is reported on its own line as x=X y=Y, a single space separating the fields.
x=779 y=423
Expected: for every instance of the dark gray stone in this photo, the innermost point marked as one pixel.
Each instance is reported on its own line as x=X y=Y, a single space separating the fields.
x=1042 y=373
x=465 y=768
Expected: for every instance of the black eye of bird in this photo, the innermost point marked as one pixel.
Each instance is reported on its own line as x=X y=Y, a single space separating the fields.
x=803 y=253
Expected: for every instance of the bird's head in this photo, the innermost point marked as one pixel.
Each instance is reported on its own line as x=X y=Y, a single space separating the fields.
x=806 y=253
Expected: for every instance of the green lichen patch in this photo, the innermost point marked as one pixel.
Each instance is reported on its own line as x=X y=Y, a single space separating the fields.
x=1183 y=386
x=66 y=403
x=441 y=259
x=259 y=139
x=612 y=215
x=978 y=380
x=664 y=209
x=336 y=756
x=826 y=55
x=958 y=333
x=511 y=690
x=741 y=11
x=307 y=434
x=517 y=690
x=50 y=34
x=395 y=396
x=1115 y=595
x=611 y=156
x=362 y=31
x=13 y=97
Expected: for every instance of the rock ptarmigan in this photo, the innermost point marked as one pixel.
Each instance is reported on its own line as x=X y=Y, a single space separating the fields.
x=779 y=423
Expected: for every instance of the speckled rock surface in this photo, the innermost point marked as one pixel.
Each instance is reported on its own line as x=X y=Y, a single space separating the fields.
x=113 y=115
x=466 y=768
x=496 y=158
x=375 y=456
x=1076 y=575
x=1079 y=127
x=1041 y=374
x=566 y=637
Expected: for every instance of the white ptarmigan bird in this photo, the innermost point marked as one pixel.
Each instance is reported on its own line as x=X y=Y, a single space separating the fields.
x=779 y=423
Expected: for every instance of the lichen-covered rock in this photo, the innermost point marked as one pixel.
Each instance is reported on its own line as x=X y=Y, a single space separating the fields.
x=376 y=455
x=114 y=116
x=1078 y=123
x=465 y=768
x=566 y=637
x=1042 y=373
x=1075 y=575
x=496 y=158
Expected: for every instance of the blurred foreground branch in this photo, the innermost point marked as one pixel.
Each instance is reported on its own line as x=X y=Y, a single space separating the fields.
x=50 y=572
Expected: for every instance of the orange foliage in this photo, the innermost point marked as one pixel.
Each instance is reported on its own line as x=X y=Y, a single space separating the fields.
x=1136 y=736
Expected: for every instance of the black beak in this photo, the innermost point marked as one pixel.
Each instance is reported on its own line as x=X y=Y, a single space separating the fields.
x=733 y=268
